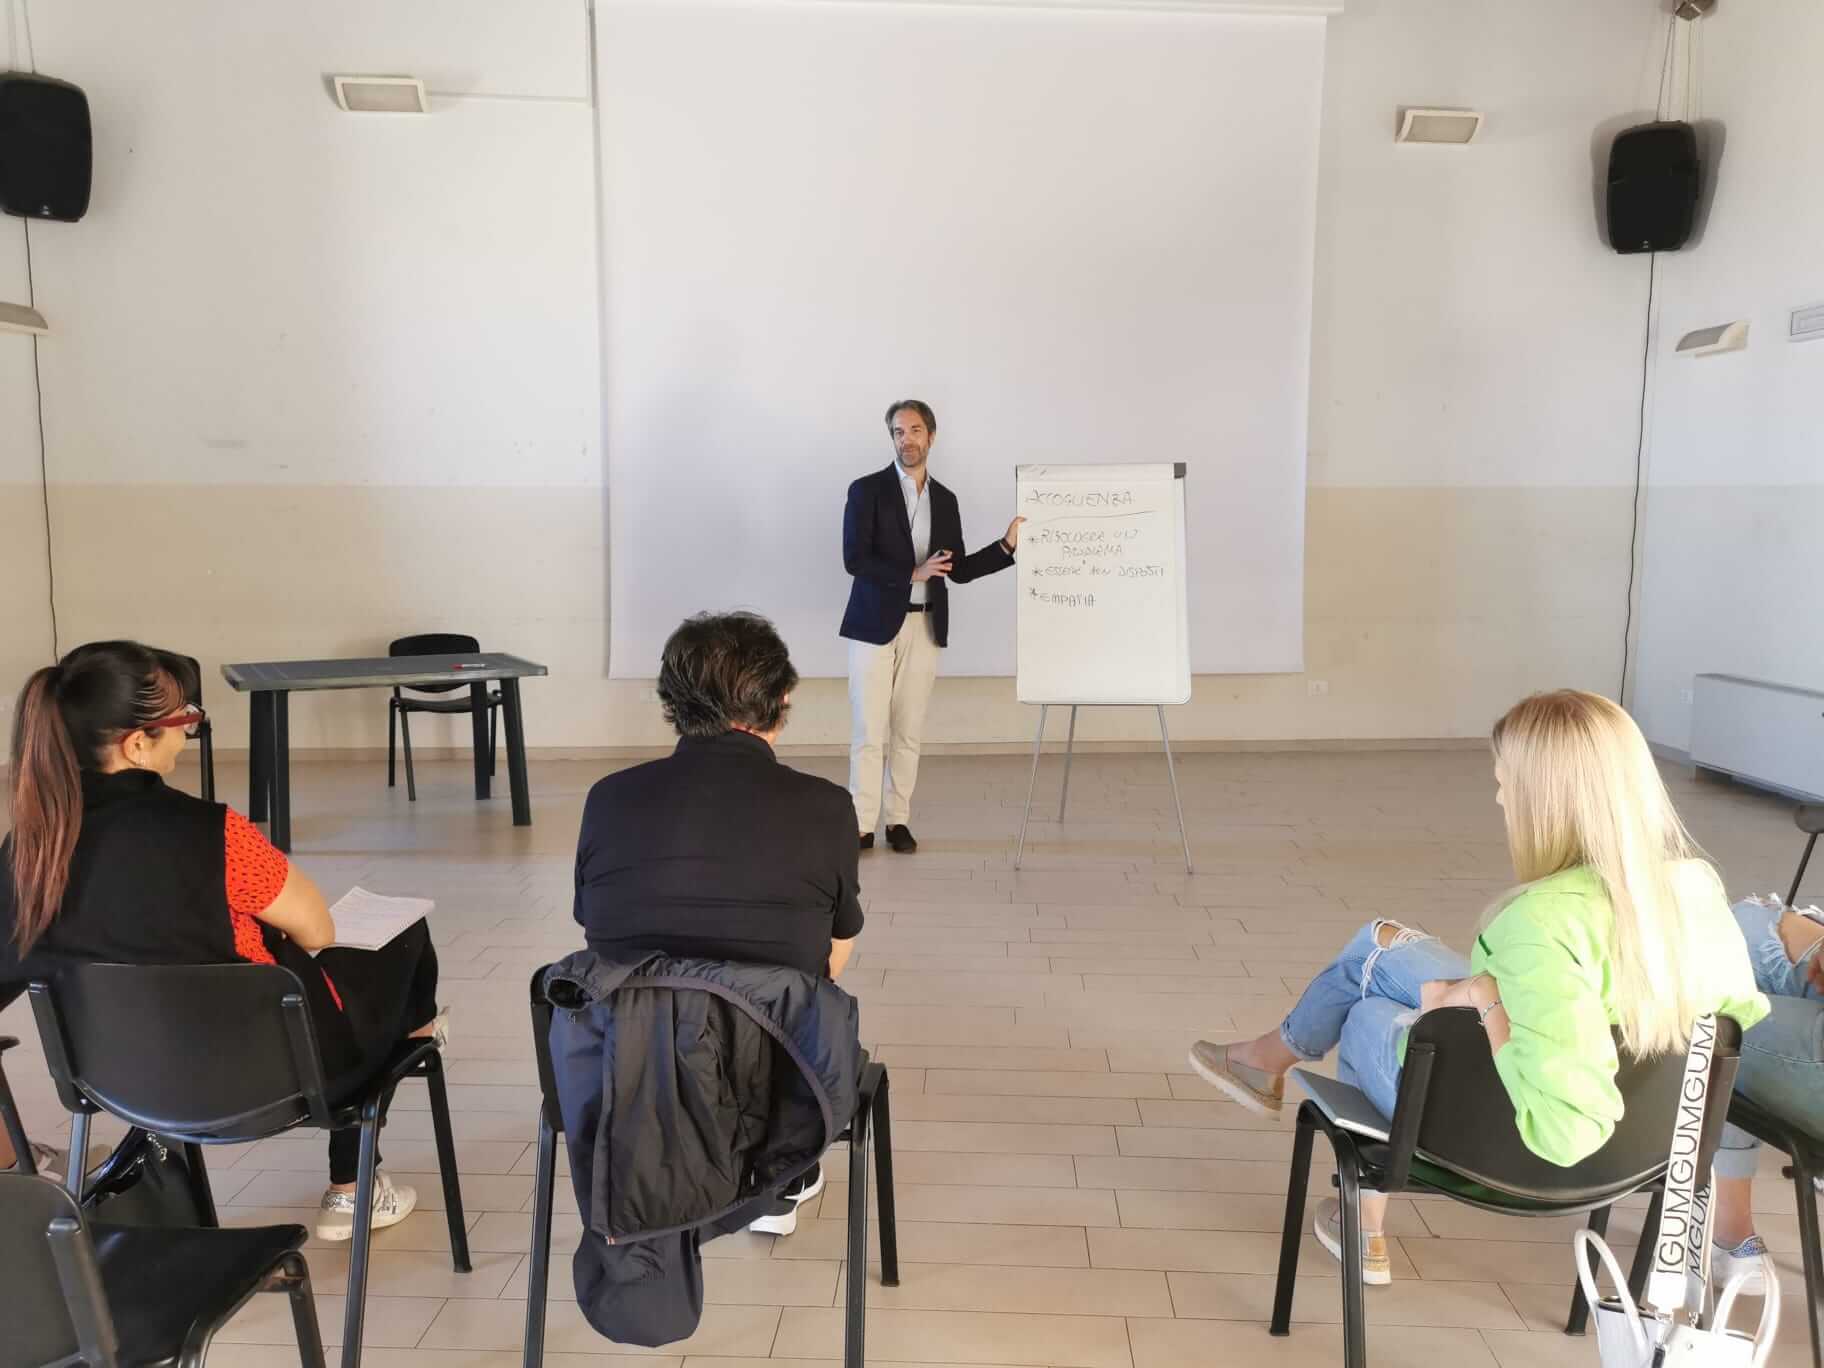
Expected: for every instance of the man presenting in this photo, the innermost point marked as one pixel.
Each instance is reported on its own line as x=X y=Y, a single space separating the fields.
x=902 y=536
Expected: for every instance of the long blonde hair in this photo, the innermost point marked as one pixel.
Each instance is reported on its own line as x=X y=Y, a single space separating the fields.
x=1581 y=788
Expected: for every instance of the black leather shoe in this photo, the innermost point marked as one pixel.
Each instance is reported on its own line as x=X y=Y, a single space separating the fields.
x=900 y=838
x=867 y=841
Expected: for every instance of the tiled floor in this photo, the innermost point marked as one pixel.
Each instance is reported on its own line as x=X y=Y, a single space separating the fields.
x=1069 y=1195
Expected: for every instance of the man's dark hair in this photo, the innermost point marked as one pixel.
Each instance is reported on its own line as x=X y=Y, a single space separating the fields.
x=918 y=406
x=725 y=670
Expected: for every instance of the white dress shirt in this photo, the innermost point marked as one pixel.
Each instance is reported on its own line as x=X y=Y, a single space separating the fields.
x=918 y=513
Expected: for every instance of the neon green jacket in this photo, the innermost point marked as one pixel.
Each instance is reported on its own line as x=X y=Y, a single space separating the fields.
x=1551 y=952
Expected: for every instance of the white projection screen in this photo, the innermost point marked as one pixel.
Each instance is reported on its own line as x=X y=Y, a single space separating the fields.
x=1079 y=235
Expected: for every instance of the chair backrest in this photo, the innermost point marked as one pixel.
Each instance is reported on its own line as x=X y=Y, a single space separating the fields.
x=198 y=1052
x=434 y=643
x=1465 y=1120
x=55 y=1312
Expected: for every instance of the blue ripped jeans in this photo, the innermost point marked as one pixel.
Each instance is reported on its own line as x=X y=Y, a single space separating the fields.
x=1365 y=1001
x=1783 y=1057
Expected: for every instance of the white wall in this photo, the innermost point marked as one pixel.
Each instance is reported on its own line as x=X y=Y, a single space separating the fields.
x=316 y=379
x=1042 y=222
x=321 y=379
x=1734 y=519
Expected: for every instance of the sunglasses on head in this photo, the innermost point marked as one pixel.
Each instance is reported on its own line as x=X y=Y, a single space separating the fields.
x=190 y=718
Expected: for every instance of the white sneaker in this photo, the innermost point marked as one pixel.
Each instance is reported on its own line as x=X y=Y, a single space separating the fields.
x=1749 y=1257
x=440 y=1029
x=788 y=1222
x=392 y=1204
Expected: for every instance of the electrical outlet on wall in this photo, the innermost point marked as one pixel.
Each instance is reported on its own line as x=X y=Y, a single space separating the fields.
x=1317 y=688
x=1686 y=695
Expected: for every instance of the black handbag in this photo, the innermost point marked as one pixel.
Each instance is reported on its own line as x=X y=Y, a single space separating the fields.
x=146 y=1181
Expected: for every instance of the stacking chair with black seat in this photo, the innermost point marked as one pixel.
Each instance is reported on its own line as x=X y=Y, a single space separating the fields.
x=1809 y=817
x=222 y=1053
x=400 y=707
x=105 y=1295
x=1807 y=1155
x=192 y=686
x=1453 y=1133
x=1806 y=1151
x=871 y=1112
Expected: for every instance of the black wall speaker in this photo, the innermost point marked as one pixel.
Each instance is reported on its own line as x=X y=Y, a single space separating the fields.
x=46 y=148
x=1654 y=180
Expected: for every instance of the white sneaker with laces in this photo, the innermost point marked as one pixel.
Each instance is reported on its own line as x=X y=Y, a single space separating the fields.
x=786 y=1223
x=392 y=1204
x=1749 y=1257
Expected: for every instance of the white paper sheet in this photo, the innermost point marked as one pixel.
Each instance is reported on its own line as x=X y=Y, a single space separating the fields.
x=367 y=921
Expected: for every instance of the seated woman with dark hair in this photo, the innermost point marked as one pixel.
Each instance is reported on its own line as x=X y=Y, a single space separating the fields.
x=718 y=850
x=106 y=863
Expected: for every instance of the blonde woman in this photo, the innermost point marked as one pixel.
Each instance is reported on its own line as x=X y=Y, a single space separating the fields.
x=1617 y=922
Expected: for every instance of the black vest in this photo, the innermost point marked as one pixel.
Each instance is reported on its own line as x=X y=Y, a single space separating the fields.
x=148 y=884
x=147 y=880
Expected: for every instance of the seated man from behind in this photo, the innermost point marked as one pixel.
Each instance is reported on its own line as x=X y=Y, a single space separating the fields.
x=718 y=850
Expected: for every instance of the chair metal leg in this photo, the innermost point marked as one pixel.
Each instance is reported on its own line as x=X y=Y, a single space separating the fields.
x=1579 y=1319
x=79 y=1154
x=392 y=742
x=200 y=1191
x=303 y=1311
x=855 y=1320
x=1643 y=1253
x=1798 y=876
x=446 y=1163
x=361 y=1245
x=493 y=740
x=883 y=1178
x=1355 y=1311
x=1293 y=1233
x=1808 y=1241
x=539 y=1273
x=208 y=762
x=411 y=777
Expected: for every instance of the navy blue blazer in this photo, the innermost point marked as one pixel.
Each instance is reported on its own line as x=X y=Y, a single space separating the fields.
x=877 y=551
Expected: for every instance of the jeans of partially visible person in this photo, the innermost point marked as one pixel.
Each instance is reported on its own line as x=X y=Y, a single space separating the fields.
x=1782 y=1064
x=1364 y=1003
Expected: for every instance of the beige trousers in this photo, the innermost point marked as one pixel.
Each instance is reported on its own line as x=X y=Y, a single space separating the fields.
x=889 y=687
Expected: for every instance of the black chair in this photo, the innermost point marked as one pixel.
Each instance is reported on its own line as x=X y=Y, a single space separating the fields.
x=400 y=708
x=1452 y=1133
x=1809 y=817
x=1806 y=1151
x=872 y=1108
x=1807 y=1155
x=104 y=1295
x=217 y=1054
x=192 y=685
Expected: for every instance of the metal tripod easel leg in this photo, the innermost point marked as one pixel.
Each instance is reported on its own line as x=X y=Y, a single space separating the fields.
x=1038 y=746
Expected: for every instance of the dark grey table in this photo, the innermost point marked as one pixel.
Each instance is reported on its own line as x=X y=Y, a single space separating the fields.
x=271 y=684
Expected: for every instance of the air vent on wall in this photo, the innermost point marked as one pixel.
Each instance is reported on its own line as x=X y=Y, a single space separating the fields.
x=22 y=318
x=1451 y=127
x=1807 y=323
x=381 y=94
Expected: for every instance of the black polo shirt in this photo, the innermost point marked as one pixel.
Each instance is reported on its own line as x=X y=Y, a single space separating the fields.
x=718 y=850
